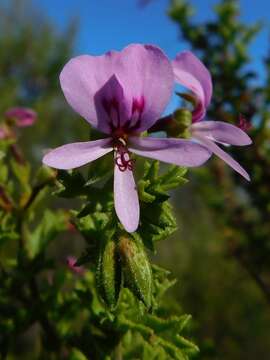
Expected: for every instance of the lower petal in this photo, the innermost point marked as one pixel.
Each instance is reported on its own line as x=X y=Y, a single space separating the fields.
x=126 y=201
x=173 y=151
x=71 y=156
x=223 y=155
x=221 y=132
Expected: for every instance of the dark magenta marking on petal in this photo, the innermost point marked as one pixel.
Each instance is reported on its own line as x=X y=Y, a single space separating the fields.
x=112 y=109
x=138 y=106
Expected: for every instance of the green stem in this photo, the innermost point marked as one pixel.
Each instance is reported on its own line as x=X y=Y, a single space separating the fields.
x=118 y=351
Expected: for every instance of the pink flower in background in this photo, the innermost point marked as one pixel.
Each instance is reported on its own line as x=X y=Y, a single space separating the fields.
x=3 y=133
x=243 y=123
x=122 y=94
x=190 y=72
x=71 y=261
x=23 y=116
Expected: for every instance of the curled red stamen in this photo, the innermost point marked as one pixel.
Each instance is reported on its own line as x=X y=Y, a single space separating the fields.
x=122 y=159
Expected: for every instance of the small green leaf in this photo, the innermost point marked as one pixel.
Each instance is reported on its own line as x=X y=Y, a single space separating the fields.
x=51 y=224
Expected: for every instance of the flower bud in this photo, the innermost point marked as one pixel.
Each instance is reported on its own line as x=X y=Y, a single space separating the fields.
x=108 y=274
x=136 y=268
x=45 y=174
x=183 y=118
x=21 y=117
x=175 y=125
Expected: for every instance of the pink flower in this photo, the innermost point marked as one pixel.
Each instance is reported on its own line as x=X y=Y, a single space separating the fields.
x=71 y=261
x=122 y=94
x=3 y=133
x=23 y=116
x=190 y=72
x=243 y=124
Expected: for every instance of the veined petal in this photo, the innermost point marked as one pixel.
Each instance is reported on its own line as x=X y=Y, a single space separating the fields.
x=221 y=132
x=173 y=151
x=190 y=72
x=71 y=156
x=144 y=72
x=223 y=155
x=81 y=78
x=126 y=201
x=111 y=108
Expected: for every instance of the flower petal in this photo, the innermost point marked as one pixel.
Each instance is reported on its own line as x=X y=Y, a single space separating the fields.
x=221 y=132
x=126 y=201
x=111 y=107
x=143 y=72
x=80 y=80
x=71 y=156
x=146 y=73
x=173 y=151
x=223 y=155
x=190 y=72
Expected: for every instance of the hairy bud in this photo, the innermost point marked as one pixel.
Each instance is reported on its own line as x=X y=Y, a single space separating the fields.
x=136 y=268
x=108 y=274
x=183 y=119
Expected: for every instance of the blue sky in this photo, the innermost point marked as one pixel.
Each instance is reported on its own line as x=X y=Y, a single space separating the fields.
x=112 y=24
x=107 y=24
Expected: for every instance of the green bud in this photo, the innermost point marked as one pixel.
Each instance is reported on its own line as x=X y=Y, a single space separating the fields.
x=108 y=274
x=44 y=175
x=183 y=118
x=136 y=268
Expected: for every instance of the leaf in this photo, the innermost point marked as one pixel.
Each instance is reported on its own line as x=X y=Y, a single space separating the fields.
x=153 y=187
x=52 y=223
x=158 y=222
x=93 y=225
x=22 y=172
x=76 y=354
x=71 y=183
x=161 y=334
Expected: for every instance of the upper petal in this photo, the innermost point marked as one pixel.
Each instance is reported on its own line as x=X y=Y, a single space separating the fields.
x=126 y=201
x=173 y=151
x=81 y=78
x=190 y=72
x=146 y=73
x=71 y=156
x=224 y=156
x=221 y=132
x=111 y=108
x=143 y=71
